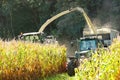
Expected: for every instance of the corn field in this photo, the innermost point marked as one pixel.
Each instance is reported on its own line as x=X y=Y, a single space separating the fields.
x=30 y=61
x=104 y=65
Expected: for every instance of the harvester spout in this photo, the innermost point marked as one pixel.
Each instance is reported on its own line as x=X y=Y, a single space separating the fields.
x=90 y=25
x=80 y=9
x=54 y=18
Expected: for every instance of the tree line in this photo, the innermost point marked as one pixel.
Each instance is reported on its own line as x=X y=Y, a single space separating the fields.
x=18 y=16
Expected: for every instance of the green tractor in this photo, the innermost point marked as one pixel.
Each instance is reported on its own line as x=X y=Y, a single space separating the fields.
x=86 y=47
x=37 y=37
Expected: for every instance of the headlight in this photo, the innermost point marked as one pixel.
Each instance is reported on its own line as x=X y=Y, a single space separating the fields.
x=68 y=60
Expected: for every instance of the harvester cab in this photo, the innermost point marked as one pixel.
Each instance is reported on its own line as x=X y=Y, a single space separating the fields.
x=32 y=37
x=37 y=37
x=86 y=47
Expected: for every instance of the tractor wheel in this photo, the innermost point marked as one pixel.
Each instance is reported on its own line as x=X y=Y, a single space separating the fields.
x=70 y=68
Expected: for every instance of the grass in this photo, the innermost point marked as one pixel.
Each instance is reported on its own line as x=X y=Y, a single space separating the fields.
x=63 y=76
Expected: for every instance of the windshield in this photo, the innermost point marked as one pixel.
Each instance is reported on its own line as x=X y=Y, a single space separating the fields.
x=88 y=45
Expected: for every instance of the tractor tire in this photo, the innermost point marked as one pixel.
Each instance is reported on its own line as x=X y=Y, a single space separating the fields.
x=70 y=68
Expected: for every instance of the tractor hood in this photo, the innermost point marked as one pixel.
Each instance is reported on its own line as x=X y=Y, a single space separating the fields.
x=84 y=52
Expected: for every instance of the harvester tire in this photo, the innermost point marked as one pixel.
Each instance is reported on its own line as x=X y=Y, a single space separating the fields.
x=70 y=68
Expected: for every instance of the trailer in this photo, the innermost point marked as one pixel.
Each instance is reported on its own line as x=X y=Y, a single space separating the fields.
x=106 y=34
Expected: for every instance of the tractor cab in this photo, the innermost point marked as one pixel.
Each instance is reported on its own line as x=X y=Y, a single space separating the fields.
x=86 y=47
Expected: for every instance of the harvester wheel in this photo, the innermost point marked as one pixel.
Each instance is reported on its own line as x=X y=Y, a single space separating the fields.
x=70 y=68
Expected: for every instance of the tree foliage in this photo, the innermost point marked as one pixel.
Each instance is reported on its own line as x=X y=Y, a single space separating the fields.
x=18 y=16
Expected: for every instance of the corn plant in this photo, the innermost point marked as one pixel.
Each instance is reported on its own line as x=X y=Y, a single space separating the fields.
x=103 y=65
x=30 y=61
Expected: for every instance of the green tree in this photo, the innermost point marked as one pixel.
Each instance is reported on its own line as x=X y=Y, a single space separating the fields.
x=72 y=24
x=18 y=16
x=23 y=16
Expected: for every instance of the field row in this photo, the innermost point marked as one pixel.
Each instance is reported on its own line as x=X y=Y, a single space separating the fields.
x=30 y=61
